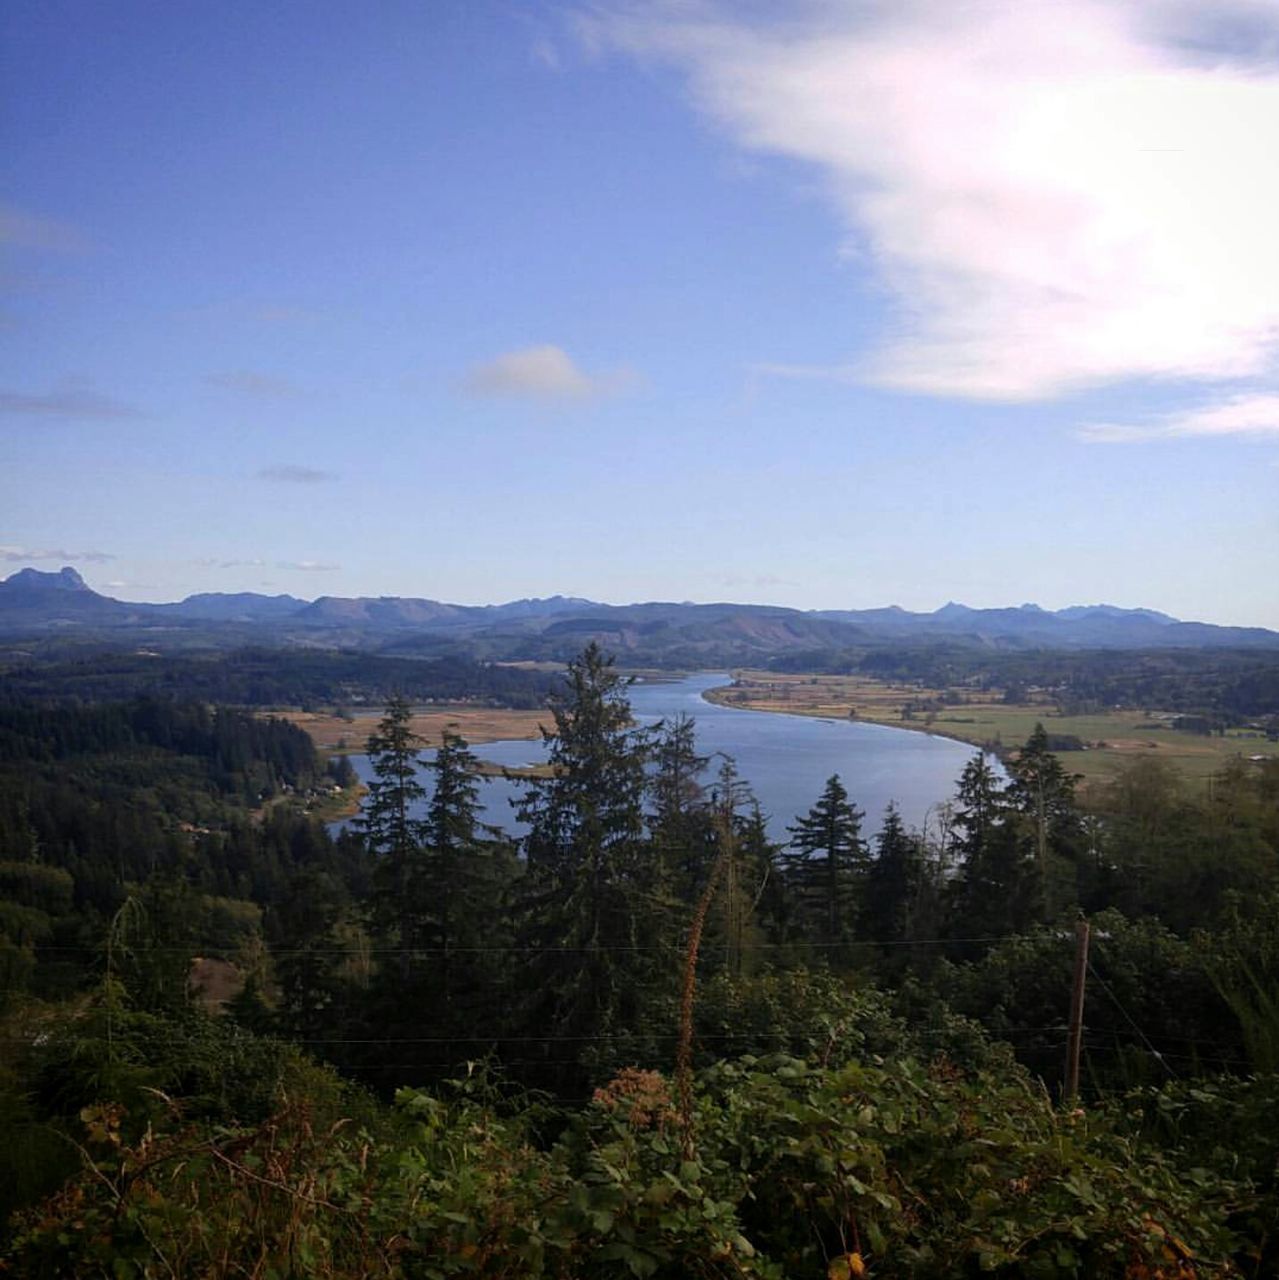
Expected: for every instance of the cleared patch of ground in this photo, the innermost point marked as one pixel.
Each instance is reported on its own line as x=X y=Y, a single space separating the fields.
x=214 y=983
x=340 y=734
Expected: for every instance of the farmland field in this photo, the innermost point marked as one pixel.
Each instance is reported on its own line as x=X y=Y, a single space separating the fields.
x=1110 y=738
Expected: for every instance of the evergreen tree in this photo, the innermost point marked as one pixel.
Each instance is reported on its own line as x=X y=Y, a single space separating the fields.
x=680 y=823
x=998 y=888
x=467 y=868
x=826 y=873
x=733 y=931
x=893 y=882
x=589 y=925
x=391 y=833
x=1043 y=792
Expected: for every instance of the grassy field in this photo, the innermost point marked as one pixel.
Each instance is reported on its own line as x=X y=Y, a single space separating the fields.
x=340 y=734
x=1112 y=737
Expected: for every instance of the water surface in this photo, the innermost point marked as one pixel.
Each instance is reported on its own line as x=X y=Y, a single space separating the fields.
x=785 y=758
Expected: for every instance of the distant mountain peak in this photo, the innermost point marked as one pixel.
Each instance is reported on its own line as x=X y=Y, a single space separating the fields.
x=1078 y=611
x=65 y=579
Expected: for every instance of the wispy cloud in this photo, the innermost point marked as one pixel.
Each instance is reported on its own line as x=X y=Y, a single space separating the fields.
x=17 y=555
x=1245 y=415
x=65 y=402
x=28 y=231
x=214 y=562
x=1051 y=196
x=308 y=566
x=248 y=382
x=545 y=54
x=543 y=373
x=290 y=473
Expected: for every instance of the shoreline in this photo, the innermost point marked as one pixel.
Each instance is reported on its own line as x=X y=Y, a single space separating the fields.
x=814 y=714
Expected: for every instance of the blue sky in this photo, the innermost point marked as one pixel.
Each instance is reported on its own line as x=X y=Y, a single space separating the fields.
x=476 y=300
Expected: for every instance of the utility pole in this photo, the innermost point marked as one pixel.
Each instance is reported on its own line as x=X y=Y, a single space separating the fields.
x=1075 y=1034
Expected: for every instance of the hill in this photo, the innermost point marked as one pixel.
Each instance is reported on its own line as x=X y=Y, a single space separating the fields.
x=36 y=605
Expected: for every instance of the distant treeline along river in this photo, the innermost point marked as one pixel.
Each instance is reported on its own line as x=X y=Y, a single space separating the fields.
x=786 y=759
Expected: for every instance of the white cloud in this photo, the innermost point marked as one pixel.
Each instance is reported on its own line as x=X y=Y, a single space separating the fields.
x=15 y=555
x=1245 y=415
x=542 y=373
x=1053 y=196
x=309 y=566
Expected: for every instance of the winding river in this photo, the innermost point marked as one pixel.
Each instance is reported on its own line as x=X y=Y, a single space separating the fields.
x=785 y=758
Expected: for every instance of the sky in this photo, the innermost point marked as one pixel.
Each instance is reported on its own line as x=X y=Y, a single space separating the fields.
x=829 y=303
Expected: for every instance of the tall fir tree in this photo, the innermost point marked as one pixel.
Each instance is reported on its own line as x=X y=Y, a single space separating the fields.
x=443 y=999
x=680 y=817
x=894 y=882
x=1042 y=791
x=590 y=930
x=997 y=890
x=468 y=868
x=392 y=833
x=826 y=872
x=735 y=929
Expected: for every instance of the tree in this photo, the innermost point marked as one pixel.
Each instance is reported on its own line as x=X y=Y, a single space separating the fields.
x=392 y=834
x=826 y=873
x=738 y=833
x=466 y=867
x=1043 y=792
x=680 y=824
x=893 y=882
x=998 y=887
x=590 y=923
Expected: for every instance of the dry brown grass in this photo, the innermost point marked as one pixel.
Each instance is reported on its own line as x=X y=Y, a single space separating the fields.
x=476 y=724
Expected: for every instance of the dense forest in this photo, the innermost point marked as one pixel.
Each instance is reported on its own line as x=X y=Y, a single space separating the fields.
x=642 y=1040
x=265 y=677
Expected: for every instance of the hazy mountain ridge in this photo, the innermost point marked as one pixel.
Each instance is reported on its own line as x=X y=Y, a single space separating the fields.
x=33 y=602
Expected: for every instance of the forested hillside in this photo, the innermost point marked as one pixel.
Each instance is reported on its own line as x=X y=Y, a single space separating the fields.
x=271 y=678
x=644 y=1039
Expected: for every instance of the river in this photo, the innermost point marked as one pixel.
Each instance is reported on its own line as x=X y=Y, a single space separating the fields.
x=785 y=758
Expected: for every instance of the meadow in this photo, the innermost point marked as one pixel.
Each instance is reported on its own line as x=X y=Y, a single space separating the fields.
x=981 y=717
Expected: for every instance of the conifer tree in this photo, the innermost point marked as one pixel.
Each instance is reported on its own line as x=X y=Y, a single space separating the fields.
x=593 y=952
x=392 y=834
x=1043 y=792
x=466 y=867
x=680 y=822
x=826 y=872
x=998 y=888
x=893 y=882
x=733 y=931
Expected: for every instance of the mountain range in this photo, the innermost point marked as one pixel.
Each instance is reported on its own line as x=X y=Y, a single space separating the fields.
x=35 y=604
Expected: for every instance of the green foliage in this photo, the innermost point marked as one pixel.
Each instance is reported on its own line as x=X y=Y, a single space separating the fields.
x=1242 y=962
x=838 y=1127
x=896 y=1170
